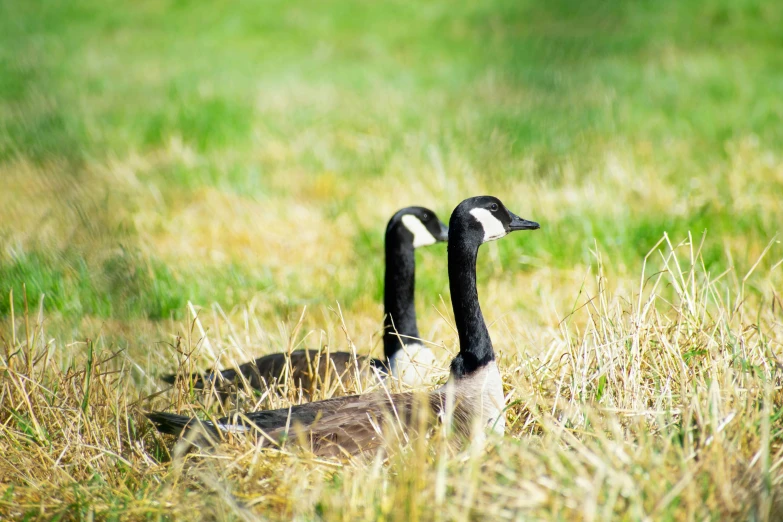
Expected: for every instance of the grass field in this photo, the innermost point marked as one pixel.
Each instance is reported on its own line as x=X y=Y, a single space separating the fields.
x=184 y=182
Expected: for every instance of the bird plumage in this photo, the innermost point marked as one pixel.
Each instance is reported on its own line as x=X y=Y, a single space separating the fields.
x=408 y=229
x=472 y=398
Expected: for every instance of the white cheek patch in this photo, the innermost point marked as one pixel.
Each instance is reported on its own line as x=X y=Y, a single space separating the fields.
x=421 y=236
x=493 y=228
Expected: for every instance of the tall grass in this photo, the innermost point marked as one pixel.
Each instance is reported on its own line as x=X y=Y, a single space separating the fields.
x=660 y=400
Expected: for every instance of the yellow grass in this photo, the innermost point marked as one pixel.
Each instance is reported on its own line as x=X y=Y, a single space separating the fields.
x=654 y=399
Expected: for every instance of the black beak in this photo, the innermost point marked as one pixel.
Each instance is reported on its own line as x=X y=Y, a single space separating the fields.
x=517 y=223
x=444 y=233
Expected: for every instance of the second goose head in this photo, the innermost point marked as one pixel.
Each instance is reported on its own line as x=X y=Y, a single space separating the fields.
x=408 y=229
x=414 y=227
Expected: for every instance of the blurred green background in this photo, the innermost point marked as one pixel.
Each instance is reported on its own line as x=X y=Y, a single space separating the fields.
x=156 y=152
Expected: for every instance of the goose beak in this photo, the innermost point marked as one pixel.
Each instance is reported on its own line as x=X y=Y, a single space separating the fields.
x=444 y=233
x=517 y=223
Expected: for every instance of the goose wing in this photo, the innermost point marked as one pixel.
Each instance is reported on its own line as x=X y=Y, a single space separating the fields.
x=334 y=427
x=305 y=365
x=344 y=425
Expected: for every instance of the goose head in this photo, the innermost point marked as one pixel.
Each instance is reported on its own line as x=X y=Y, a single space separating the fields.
x=485 y=218
x=417 y=227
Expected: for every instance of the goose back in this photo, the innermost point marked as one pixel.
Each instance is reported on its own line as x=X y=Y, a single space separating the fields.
x=306 y=370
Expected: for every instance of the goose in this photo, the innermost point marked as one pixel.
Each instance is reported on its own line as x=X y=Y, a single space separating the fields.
x=347 y=426
x=409 y=361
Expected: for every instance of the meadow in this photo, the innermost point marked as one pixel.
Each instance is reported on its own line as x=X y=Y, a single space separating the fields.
x=184 y=183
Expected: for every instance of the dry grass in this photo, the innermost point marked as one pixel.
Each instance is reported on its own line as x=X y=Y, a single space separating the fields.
x=654 y=400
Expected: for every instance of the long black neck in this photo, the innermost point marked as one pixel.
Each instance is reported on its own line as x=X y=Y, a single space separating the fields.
x=475 y=345
x=399 y=308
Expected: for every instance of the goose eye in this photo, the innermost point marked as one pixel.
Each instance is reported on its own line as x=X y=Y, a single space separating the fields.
x=425 y=216
x=493 y=207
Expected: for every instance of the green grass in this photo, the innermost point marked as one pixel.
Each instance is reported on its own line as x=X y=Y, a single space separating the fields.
x=515 y=90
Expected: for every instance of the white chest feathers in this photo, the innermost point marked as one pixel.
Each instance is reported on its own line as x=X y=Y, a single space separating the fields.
x=480 y=397
x=412 y=364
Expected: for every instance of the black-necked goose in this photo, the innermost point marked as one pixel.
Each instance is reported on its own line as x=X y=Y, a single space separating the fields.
x=473 y=395
x=408 y=229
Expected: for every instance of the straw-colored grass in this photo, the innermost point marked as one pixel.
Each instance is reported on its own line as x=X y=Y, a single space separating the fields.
x=660 y=400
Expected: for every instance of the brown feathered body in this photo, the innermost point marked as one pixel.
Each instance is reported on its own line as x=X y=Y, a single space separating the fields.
x=306 y=370
x=359 y=423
